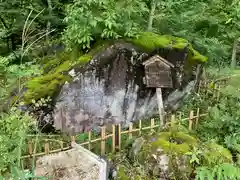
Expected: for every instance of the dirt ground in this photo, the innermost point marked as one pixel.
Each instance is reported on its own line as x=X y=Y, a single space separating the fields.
x=67 y=165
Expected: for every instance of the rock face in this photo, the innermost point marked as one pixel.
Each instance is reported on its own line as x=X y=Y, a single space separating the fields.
x=110 y=88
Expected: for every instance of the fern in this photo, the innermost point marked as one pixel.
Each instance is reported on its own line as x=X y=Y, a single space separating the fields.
x=223 y=171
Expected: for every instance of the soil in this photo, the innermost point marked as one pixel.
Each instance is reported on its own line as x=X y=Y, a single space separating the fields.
x=67 y=165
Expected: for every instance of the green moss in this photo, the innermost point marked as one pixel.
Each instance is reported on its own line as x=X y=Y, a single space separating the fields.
x=47 y=84
x=44 y=86
x=51 y=64
x=149 y=41
x=84 y=59
x=178 y=142
x=216 y=154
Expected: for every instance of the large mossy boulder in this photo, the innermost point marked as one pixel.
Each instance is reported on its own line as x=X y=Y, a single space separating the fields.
x=105 y=85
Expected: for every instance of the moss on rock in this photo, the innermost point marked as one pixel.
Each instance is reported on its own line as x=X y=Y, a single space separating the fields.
x=54 y=67
x=44 y=86
x=149 y=41
x=178 y=142
x=48 y=84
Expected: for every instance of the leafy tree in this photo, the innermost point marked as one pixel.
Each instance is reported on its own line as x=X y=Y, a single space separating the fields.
x=212 y=26
x=14 y=13
x=89 y=20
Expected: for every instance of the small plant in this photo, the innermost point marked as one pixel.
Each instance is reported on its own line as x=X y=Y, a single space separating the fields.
x=194 y=156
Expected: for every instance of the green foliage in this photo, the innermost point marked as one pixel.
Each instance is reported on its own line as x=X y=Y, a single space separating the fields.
x=219 y=171
x=93 y=20
x=12 y=77
x=211 y=26
x=14 y=14
x=215 y=154
x=14 y=127
x=222 y=122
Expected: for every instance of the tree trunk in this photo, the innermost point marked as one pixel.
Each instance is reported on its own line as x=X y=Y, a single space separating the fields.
x=151 y=15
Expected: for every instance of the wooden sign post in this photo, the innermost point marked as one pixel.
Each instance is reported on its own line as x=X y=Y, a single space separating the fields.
x=160 y=106
x=158 y=74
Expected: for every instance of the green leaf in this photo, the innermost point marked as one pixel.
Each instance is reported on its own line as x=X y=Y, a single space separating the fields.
x=228 y=21
x=93 y=23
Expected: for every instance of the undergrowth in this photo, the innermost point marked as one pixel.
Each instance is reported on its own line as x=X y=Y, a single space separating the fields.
x=223 y=171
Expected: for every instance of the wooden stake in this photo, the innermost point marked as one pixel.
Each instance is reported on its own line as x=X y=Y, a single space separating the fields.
x=46 y=147
x=198 y=116
x=89 y=140
x=160 y=106
x=130 y=130
x=119 y=137
x=30 y=147
x=103 y=143
x=113 y=138
x=190 y=125
x=140 y=127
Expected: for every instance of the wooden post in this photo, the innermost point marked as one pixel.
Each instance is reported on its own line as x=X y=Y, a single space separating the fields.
x=46 y=147
x=113 y=138
x=117 y=135
x=140 y=127
x=30 y=151
x=89 y=140
x=103 y=143
x=160 y=106
x=30 y=147
x=197 y=119
x=130 y=130
x=190 y=125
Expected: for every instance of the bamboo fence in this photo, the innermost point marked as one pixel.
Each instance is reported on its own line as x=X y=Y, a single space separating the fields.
x=117 y=132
